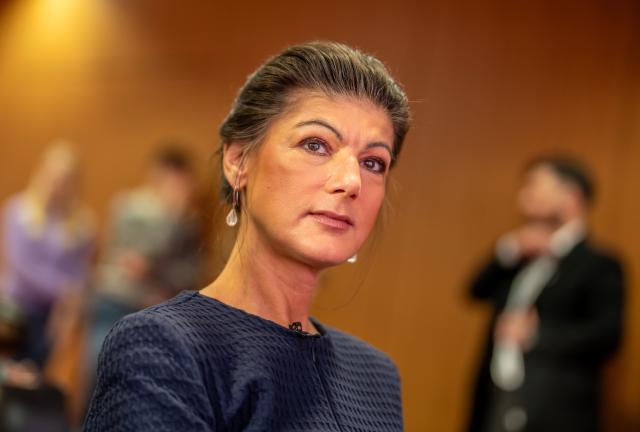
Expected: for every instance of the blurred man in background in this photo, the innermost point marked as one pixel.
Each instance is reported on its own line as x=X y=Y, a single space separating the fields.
x=557 y=311
x=153 y=249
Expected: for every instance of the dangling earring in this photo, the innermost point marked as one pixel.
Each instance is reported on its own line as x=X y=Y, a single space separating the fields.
x=232 y=216
x=353 y=259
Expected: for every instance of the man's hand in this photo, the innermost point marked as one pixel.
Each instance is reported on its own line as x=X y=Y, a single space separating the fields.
x=533 y=240
x=517 y=327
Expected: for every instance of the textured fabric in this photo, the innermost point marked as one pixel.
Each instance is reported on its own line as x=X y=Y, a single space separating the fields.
x=196 y=364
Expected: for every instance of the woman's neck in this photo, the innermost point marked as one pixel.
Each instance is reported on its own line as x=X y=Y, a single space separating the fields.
x=263 y=282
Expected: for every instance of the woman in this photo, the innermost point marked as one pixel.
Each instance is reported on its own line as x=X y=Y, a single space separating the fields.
x=306 y=152
x=48 y=243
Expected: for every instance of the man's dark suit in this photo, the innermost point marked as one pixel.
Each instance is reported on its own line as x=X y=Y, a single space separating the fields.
x=580 y=313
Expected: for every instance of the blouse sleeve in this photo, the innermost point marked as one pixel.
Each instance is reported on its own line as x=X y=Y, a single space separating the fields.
x=147 y=381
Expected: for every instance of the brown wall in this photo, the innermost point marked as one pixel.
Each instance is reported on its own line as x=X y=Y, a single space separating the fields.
x=492 y=83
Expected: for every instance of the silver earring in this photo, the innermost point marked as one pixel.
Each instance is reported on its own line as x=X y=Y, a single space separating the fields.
x=353 y=259
x=232 y=216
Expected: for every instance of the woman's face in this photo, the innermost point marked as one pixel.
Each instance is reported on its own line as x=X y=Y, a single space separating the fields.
x=316 y=183
x=60 y=183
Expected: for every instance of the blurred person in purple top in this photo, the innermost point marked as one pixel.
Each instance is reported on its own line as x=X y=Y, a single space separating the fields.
x=48 y=240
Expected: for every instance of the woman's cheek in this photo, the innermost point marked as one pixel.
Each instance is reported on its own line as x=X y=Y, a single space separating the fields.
x=372 y=209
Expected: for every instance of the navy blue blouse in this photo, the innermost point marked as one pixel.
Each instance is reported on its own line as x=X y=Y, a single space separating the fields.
x=196 y=364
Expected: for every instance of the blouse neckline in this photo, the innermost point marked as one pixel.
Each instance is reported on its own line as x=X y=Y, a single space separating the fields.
x=322 y=331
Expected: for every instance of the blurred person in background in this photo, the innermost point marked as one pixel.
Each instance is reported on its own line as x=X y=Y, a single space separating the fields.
x=558 y=303
x=48 y=241
x=153 y=246
x=306 y=153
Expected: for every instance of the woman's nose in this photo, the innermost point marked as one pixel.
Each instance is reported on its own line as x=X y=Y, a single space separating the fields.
x=345 y=176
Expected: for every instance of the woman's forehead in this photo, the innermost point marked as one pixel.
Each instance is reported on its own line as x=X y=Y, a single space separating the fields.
x=302 y=100
x=309 y=107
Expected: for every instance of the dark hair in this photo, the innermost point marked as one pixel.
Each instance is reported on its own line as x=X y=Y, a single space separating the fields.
x=569 y=170
x=329 y=67
x=172 y=155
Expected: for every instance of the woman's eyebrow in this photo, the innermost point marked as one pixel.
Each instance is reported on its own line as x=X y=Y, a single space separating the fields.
x=381 y=144
x=339 y=135
x=323 y=124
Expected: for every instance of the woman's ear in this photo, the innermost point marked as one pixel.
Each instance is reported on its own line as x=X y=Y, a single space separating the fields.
x=233 y=164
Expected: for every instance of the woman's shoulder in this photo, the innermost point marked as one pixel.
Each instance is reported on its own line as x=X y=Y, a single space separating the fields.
x=145 y=331
x=148 y=373
x=189 y=322
x=183 y=317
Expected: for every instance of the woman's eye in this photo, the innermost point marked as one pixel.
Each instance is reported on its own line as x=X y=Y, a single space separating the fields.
x=375 y=165
x=316 y=146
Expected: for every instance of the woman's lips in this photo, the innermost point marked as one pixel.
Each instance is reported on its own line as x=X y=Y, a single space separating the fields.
x=332 y=220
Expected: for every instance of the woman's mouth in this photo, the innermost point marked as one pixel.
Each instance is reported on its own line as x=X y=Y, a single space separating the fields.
x=332 y=220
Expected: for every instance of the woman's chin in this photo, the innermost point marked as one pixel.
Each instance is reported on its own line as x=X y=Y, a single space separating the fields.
x=322 y=260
